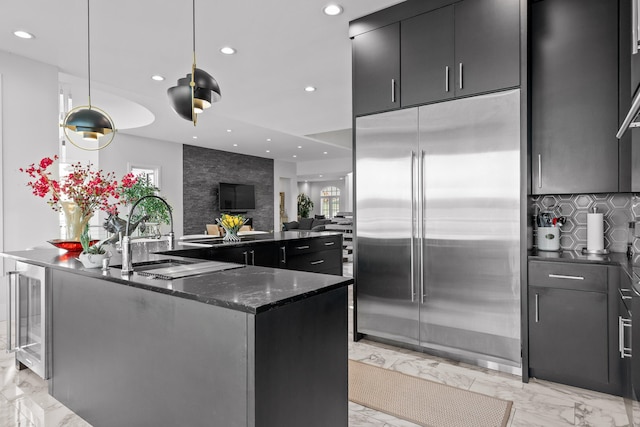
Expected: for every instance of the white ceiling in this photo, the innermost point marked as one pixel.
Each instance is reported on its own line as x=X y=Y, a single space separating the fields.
x=282 y=46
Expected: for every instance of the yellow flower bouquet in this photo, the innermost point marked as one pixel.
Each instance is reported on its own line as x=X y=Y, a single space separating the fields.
x=231 y=225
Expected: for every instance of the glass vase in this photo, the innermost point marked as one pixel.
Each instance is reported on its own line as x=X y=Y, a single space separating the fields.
x=75 y=222
x=230 y=235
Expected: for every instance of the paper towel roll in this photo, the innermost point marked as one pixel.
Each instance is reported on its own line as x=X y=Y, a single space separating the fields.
x=595 y=232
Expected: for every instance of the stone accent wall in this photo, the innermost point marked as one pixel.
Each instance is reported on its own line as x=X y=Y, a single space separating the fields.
x=618 y=208
x=204 y=169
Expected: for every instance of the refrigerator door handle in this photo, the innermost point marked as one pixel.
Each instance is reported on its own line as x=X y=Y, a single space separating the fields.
x=423 y=294
x=413 y=224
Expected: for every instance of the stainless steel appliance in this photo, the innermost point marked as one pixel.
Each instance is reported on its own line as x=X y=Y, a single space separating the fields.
x=27 y=325
x=438 y=228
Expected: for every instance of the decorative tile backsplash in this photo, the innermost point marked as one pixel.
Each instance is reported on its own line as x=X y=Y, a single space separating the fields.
x=618 y=208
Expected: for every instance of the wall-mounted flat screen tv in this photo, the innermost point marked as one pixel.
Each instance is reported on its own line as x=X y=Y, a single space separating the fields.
x=237 y=197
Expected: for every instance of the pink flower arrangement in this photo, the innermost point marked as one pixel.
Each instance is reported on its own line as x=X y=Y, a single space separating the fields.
x=89 y=189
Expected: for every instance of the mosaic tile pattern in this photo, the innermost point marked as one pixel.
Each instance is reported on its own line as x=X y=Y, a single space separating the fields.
x=618 y=208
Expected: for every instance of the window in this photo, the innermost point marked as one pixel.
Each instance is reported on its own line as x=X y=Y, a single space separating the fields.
x=151 y=174
x=329 y=201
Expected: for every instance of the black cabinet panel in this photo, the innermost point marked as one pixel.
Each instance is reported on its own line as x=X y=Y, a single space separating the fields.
x=318 y=262
x=487 y=45
x=427 y=57
x=263 y=255
x=376 y=70
x=568 y=340
x=574 y=96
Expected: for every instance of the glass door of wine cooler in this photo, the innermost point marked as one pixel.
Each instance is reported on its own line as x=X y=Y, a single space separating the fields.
x=27 y=325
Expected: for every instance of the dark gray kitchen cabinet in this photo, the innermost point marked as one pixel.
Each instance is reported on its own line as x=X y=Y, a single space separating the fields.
x=263 y=255
x=427 y=57
x=487 y=49
x=376 y=70
x=568 y=335
x=463 y=49
x=573 y=325
x=319 y=255
x=574 y=96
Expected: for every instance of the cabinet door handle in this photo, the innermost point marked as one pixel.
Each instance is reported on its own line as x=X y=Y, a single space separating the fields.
x=446 y=78
x=253 y=257
x=329 y=243
x=625 y=351
x=634 y=26
x=284 y=255
x=539 y=171
x=461 y=74
x=317 y=262
x=622 y=291
x=393 y=90
x=246 y=258
x=537 y=308
x=302 y=247
x=563 y=276
x=12 y=302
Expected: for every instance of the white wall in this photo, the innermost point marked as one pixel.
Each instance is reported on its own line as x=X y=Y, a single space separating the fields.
x=285 y=180
x=313 y=189
x=128 y=150
x=29 y=99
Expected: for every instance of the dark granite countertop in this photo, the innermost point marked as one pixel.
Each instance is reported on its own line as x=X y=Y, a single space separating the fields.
x=247 y=288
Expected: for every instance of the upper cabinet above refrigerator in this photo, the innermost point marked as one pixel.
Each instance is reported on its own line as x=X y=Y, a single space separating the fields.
x=466 y=48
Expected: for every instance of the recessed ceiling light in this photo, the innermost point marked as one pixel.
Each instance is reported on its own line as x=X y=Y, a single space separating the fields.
x=228 y=130
x=235 y=145
x=23 y=34
x=157 y=78
x=341 y=178
x=228 y=50
x=299 y=146
x=332 y=9
x=195 y=137
x=320 y=176
x=325 y=152
x=310 y=89
x=268 y=151
x=295 y=155
x=268 y=139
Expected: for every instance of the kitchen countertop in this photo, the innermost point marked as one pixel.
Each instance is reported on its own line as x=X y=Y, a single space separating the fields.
x=245 y=288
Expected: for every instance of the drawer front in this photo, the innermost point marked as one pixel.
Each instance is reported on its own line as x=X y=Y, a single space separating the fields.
x=582 y=277
x=304 y=246
x=318 y=262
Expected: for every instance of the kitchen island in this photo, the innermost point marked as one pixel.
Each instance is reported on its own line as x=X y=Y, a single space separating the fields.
x=246 y=346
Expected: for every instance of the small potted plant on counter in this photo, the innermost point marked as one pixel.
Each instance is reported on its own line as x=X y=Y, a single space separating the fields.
x=92 y=251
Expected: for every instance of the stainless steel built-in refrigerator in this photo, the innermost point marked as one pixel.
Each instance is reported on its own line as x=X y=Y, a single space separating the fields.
x=438 y=228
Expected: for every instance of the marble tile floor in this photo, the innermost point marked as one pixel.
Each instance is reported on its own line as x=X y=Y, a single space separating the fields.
x=24 y=400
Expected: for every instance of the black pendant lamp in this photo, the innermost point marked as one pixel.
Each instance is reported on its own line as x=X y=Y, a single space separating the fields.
x=88 y=127
x=195 y=92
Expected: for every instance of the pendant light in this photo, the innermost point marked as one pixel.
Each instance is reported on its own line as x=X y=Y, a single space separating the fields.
x=88 y=127
x=195 y=92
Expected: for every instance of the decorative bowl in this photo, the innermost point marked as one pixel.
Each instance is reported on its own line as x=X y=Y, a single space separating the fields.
x=70 y=245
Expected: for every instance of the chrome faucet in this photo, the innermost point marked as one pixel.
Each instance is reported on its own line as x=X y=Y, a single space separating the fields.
x=127 y=259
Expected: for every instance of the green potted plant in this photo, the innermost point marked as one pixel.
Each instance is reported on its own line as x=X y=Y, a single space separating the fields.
x=304 y=205
x=154 y=209
x=92 y=255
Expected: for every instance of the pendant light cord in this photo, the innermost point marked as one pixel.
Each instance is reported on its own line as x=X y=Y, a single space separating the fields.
x=89 y=50
x=193 y=22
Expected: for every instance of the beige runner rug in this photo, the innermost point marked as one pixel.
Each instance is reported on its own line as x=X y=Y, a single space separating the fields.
x=423 y=402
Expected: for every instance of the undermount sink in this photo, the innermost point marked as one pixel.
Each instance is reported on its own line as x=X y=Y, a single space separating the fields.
x=168 y=269
x=160 y=263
